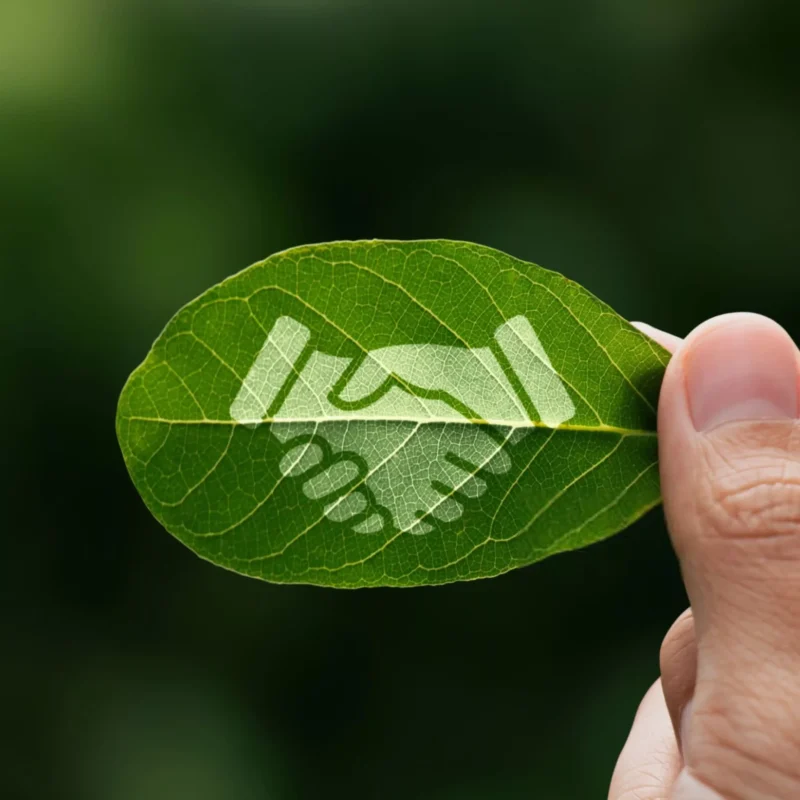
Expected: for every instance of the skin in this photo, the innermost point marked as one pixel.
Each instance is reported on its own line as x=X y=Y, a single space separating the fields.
x=723 y=721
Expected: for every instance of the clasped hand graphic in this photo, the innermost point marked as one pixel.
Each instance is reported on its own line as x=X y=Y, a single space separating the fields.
x=373 y=439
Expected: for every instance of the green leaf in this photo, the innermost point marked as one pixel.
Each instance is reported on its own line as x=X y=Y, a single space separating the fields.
x=393 y=413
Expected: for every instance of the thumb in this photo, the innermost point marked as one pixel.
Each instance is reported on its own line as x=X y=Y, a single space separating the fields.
x=730 y=463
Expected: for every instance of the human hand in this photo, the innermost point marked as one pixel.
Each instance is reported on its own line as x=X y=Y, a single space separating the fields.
x=402 y=439
x=723 y=722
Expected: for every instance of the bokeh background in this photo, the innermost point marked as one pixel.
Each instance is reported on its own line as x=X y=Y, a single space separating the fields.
x=649 y=150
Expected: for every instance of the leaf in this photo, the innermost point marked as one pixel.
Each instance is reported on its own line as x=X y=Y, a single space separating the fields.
x=393 y=413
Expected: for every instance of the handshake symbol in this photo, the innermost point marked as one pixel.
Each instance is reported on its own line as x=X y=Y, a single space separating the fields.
x=373 y=438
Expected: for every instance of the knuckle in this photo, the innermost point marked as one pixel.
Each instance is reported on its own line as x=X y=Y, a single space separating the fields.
x=678 y=647
x=645 y=780
x=748 y=750
x=749 y=483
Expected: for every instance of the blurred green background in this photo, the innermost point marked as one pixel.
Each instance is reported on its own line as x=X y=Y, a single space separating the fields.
x=649 y=150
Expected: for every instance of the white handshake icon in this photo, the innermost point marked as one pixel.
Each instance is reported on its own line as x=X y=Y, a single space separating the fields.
x=399 y=465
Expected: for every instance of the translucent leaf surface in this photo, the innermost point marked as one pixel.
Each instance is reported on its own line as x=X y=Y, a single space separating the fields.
x=393 y=413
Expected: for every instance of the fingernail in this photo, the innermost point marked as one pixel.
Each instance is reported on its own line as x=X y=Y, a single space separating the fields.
x=687 y=787
x=686 y=716
x=741 y=367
